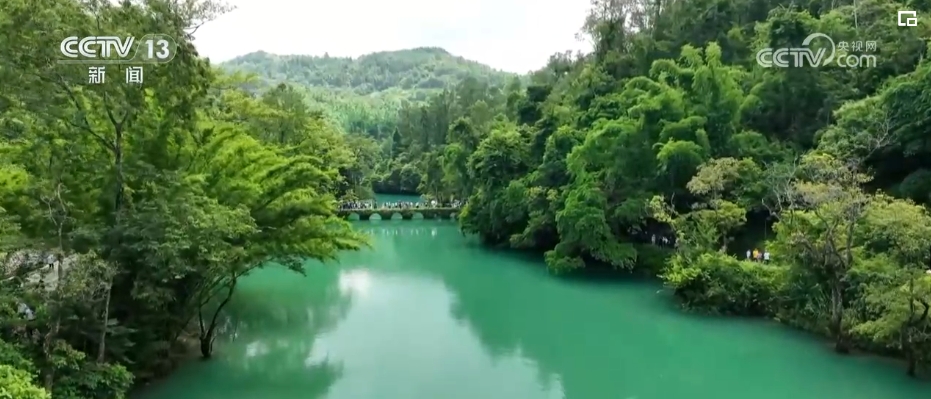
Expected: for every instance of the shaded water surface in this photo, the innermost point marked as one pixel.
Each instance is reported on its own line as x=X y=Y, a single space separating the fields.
x=428 y=314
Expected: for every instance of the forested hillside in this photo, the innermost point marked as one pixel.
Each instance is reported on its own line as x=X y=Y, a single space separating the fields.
x=377 y=98
x=671 y=128
x=417 y=71
x=364 y=94
x=151 y=201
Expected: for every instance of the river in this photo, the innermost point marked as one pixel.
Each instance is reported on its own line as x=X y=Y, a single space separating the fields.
x=429 y=314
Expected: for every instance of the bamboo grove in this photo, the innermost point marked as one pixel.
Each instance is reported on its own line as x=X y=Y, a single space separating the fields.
x=149 y=201
x=152 y=201
x=671 y=128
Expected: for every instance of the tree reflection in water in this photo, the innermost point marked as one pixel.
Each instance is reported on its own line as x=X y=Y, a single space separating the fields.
x=583 y=340
x=273 y=335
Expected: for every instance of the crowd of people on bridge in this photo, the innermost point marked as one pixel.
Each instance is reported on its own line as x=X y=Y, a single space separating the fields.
x=400 y=205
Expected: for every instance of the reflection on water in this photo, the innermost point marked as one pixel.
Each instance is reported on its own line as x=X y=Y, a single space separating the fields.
x=268 y=344
x=356 y=282
x=426 y=314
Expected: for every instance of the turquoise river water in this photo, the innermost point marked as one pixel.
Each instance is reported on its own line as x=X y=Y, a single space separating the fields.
x=429 y=314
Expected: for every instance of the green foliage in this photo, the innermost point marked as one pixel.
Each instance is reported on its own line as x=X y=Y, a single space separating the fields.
x=718 y=282
x=670 y=129
x=77 y=378
x=365 y=93
x=420 y=68
x=17 y=384
x=156 y=200
x=150 y=202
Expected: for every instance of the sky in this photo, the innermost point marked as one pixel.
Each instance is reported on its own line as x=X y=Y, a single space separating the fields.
x=511 y=35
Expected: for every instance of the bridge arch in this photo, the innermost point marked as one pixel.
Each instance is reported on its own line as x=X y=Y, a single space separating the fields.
x=393 y=214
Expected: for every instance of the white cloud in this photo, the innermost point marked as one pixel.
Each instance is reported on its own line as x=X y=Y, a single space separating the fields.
x=513 y=35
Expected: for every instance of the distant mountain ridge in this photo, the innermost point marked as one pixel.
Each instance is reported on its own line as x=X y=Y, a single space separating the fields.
x=416 y=71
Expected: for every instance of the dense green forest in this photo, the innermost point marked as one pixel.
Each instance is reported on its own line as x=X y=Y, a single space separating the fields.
x=364 y=96
x=152 y=201
x=416 y=72
x=671 y=128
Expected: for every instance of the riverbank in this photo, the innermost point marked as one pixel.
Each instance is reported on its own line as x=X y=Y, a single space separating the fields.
x=426 y=313
x=721 y=284
x=653 y=263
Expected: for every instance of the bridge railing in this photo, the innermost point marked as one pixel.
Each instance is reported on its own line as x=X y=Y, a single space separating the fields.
x=405 y=213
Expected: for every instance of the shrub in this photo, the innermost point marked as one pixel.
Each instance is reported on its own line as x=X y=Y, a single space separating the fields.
x=719 y=283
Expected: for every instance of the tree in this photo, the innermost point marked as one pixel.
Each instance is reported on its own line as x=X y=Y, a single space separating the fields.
x=900 y=233
x=820 y=209
x=151 y=200
x=18 y=384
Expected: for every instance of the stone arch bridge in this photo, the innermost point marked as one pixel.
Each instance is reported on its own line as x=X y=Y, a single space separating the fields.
x=406 y=214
